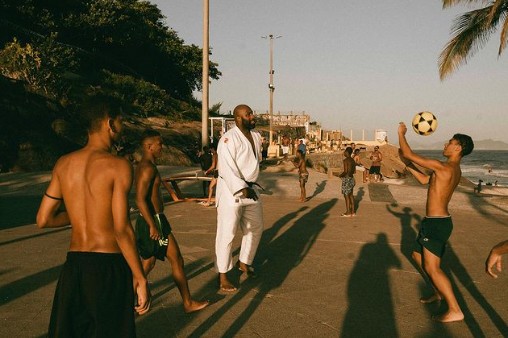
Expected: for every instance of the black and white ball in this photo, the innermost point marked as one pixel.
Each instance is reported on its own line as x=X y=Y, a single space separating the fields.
x=424 y=123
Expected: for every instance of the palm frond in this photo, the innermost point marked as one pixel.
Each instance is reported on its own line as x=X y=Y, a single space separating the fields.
x=498 y=7
x=504 y=35
x=450 y=3
x=471 y=32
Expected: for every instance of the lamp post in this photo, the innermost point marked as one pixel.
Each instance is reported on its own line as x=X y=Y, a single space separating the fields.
x=205 y=98
x=271 y=87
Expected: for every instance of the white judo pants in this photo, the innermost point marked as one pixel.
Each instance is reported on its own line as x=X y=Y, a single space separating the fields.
x=229 y=217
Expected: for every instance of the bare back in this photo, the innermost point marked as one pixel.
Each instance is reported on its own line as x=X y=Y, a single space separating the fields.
x=94 y=185
x=442 y=184
x=148 y=182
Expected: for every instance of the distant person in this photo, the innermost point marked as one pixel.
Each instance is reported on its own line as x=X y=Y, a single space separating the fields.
x=353 y=148
x=285 y=147
x=359 y=166
x=238 y=203
x=264 y=149
x=495 y=183
x=303 y=174
x=153 y=231
x=478 y=188
x=214 y=173
x=348 y=183
x=205 y=161
x=102 y=281
x=437 y=225
x=302 y=147
x=494 y=258
x=375 y=167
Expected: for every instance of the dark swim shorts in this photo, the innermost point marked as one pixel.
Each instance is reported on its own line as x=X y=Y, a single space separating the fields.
x=434 y=233
x=375 y=170
x=148 y=247
x=94 y=297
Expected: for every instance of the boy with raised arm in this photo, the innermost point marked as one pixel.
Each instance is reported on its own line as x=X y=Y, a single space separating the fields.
x=437 y=225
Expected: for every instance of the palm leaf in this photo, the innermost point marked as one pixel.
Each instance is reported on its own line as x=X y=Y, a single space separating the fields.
x=471 y=31
x=504 y=35
x=450 y=3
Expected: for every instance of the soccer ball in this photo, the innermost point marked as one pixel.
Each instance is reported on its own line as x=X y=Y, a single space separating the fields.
x=424 y=123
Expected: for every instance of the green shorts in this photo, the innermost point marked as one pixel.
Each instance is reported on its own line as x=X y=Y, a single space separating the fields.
x=148 y=247
x=434 y=233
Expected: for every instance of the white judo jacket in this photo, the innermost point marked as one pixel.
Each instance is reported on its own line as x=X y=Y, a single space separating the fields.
x=237 y=164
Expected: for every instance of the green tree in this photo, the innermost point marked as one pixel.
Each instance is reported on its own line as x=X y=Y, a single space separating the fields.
x=471 y=32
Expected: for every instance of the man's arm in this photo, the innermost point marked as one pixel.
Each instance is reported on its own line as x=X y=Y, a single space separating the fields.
x=49 y=214
x=495 y=258
x=124 y=234
x=407 y=153
x=144 y=178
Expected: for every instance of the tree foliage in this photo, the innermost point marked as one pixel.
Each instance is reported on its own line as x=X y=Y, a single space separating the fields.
x=125 y=37
x=471 y=31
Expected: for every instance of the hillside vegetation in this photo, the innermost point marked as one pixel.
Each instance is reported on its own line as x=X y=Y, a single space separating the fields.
x=55 y=53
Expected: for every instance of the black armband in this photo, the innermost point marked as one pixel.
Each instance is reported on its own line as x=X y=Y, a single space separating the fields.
x=53 y=198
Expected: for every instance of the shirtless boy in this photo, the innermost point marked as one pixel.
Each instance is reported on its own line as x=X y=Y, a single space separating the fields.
x=437 y=225
x=303 y=174
x=153 y=231
x=102 y=273
x=348 y=182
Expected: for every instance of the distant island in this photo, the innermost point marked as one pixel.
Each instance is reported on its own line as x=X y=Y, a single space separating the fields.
x=488 y=144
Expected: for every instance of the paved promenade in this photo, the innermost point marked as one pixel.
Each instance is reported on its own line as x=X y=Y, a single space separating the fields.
x=321 y=275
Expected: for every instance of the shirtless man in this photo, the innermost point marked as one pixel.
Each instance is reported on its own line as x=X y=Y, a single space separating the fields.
x=153 y=231
x=303 y=174
x=348 y=182
x=102 y=274
x=437 y=225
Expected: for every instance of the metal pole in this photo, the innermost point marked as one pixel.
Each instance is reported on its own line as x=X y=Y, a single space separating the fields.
x=205 y=98
x=271 y=88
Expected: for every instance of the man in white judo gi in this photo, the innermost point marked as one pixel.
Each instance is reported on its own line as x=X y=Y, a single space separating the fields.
x=238 y=203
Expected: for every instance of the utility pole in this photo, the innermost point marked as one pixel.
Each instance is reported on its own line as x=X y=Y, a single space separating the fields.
x=271 y=87
x=205 y=97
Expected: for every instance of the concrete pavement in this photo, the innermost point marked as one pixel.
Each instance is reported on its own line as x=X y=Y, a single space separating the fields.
x=321 y=275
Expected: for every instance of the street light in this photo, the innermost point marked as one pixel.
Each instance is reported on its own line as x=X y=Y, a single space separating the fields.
x=271 y=87
x=204 y=99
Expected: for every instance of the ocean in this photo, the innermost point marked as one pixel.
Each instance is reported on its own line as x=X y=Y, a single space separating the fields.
x=487 y=165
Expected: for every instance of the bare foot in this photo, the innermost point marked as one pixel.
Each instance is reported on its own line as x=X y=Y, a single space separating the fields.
x=195 y=306
x=225 y=284
x=434 y=298
x=448 y=317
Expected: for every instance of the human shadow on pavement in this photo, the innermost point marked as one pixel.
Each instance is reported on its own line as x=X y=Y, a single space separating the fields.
x=359 y=197
x=320 y=187
x=21 y=287
x=278 y=255
x=371 y=311
x=408 y=233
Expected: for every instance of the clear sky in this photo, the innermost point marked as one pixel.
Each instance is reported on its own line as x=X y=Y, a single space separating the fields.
x=350 y=65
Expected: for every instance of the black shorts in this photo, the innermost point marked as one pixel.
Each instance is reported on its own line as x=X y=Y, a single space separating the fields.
x=94 y=297
x=148 y=247
x=375 y=170
x=434 y=233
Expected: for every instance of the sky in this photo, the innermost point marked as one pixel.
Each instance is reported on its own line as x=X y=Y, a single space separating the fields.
x=351 y=65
